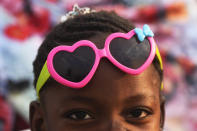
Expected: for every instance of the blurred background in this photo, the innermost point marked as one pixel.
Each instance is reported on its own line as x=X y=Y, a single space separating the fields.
x=24 y=24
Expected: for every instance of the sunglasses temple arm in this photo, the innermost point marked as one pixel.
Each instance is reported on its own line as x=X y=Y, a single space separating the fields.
x=43 y=77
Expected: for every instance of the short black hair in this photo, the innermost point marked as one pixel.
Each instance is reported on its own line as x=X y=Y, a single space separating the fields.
x=83 y=27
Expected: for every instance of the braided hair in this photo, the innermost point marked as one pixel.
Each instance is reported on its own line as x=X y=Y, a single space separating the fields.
x=83 y=27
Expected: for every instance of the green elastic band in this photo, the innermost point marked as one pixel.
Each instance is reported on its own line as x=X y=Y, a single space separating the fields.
x=161 y=64
x=43 y=77
x=159 y=57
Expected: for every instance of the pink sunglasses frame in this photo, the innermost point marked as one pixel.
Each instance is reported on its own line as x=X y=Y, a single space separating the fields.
x=99 y=53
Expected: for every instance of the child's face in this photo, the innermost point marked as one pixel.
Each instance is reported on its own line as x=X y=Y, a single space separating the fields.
x=111 y=101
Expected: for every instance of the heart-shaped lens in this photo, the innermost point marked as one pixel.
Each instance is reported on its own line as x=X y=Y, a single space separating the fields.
x=74 y=66
x=130 y=53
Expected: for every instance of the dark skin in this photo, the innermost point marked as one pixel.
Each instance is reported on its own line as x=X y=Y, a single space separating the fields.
x=111 y=101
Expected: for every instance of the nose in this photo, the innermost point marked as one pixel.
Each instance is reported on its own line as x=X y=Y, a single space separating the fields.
x=118 y=126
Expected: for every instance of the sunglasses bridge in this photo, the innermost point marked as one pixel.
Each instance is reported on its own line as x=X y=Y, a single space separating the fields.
x=102 y=53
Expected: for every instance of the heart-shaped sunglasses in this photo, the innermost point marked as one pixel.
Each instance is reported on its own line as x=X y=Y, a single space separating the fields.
x=75 y=65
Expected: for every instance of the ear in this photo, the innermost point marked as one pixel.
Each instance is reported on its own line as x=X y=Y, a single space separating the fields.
x=162 y=108
x=36 y=116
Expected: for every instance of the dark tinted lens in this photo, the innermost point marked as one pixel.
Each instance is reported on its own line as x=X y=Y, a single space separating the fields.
x=74 y=66
x=130 y=53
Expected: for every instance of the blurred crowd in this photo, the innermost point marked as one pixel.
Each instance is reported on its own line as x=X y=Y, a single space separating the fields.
x=24 y=24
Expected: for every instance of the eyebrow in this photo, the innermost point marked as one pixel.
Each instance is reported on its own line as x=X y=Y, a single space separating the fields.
x=139 y=98
x=81 y=99
x=91 y=101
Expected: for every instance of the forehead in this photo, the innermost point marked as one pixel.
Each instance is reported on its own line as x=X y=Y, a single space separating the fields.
x=109 y=84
